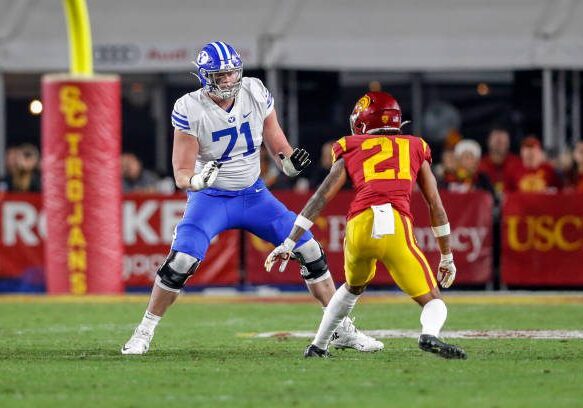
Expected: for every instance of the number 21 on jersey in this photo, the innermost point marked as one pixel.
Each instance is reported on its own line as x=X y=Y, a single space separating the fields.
x=403 y=172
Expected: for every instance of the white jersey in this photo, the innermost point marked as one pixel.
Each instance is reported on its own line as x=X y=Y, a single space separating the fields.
x=234 y=138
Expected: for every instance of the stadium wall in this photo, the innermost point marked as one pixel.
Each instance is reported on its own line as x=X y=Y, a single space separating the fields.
x=541 y=237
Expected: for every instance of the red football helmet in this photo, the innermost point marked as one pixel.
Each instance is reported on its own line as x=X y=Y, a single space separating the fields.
x=375 y=112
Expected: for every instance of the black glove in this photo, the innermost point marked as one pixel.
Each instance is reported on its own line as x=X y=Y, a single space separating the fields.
x=298 y=161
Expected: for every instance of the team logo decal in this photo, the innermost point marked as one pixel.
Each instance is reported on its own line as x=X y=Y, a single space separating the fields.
x=385 y=119
x=363 y=103
x=203 y=58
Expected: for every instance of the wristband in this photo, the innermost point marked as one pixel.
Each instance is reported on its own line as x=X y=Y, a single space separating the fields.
x=290 y=244
x=447 y=257
x=196 y=182
x=303 y=222
x=441 y=231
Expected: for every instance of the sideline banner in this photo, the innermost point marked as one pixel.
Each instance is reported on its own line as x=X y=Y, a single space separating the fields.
x=542 y=240
x=469 y=214
x=147 y=229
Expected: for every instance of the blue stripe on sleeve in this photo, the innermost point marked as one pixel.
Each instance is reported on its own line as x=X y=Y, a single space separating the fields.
x=179 y=126
x=183 y=122
x=180 y=115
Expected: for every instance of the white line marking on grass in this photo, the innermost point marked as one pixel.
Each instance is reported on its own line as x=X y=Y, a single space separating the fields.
x=80 y=328
x=454 y=334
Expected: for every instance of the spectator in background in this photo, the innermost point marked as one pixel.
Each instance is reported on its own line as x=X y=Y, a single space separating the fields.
x=324 y=165
x=135 y=178
x=499 y=161
x=10 y=165
x=22 y=169
x=534 y=174
x=445 y=170
x=269 y=172
x=562 y=162
x=467 y=176
x=574 y=177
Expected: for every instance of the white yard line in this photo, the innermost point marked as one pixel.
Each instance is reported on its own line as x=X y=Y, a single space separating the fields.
x=79 y=328
x=454 y=334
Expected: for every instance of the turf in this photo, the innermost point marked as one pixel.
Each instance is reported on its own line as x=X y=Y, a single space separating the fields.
x=65 y=355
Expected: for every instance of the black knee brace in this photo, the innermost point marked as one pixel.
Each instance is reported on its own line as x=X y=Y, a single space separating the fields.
x=315 y=269
x=176 y=269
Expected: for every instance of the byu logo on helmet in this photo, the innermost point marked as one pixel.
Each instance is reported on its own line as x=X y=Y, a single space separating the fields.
x=220 y=69
x=203 y=57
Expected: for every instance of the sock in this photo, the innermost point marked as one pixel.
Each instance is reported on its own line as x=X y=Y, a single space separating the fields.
x=150 y=321
x=339 y=307
x=433 y=317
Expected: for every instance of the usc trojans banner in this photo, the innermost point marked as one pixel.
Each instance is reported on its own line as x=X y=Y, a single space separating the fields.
x=542 y=240
x=81 y=144
x=470 y=216
x=147 y=230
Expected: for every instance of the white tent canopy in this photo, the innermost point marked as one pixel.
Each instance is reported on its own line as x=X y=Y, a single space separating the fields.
x=415 y=35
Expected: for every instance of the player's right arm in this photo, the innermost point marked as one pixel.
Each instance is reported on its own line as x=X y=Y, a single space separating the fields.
x=439 y=223
x=184 y=154
x=333 y=182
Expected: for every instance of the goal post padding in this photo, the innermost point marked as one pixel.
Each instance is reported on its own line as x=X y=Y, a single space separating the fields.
x=81 y=176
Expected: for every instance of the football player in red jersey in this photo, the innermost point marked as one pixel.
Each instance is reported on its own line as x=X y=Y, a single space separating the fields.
x=383 y=165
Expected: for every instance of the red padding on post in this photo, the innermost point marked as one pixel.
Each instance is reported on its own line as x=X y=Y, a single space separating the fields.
x=81 y=143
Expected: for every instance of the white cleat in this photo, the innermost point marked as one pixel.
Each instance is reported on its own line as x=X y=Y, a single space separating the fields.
x=139 y=343
x=347 y=335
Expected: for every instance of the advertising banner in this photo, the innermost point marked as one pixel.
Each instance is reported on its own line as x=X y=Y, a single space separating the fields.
x=542 y=240
x=147 y=230
x=470 y=216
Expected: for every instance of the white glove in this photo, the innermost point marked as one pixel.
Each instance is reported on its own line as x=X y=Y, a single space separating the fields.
x=293 y=165
x=206 y=177
x=446 y=270
x=282 y=252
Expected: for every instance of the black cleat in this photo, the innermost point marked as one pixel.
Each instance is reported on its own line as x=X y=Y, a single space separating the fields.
x=432 y=344
x=315 y=351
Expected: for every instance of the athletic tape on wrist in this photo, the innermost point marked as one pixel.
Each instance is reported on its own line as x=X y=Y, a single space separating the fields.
x=447 y=257
x=289 y=243
x=303 y=222
x=441 y=231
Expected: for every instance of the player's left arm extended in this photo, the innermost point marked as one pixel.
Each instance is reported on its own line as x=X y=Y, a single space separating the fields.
x=290 y=161
x=439 y=224
x=325 y=193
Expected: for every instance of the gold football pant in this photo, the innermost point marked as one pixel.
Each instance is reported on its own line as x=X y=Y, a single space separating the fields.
x=398 y=252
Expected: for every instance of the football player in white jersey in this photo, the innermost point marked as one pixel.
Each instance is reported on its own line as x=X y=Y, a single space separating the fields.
x=218 y=131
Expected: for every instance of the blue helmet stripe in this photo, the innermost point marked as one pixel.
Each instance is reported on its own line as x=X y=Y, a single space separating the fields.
x=221 y=46
x=226 y=48
x=219 y=51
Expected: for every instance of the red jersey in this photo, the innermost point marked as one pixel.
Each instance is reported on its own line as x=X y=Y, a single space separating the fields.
x=539 y=180
x=499 y=173
x=383 y=169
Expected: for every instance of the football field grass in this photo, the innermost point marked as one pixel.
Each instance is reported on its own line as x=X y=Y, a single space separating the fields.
x=63 y=353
